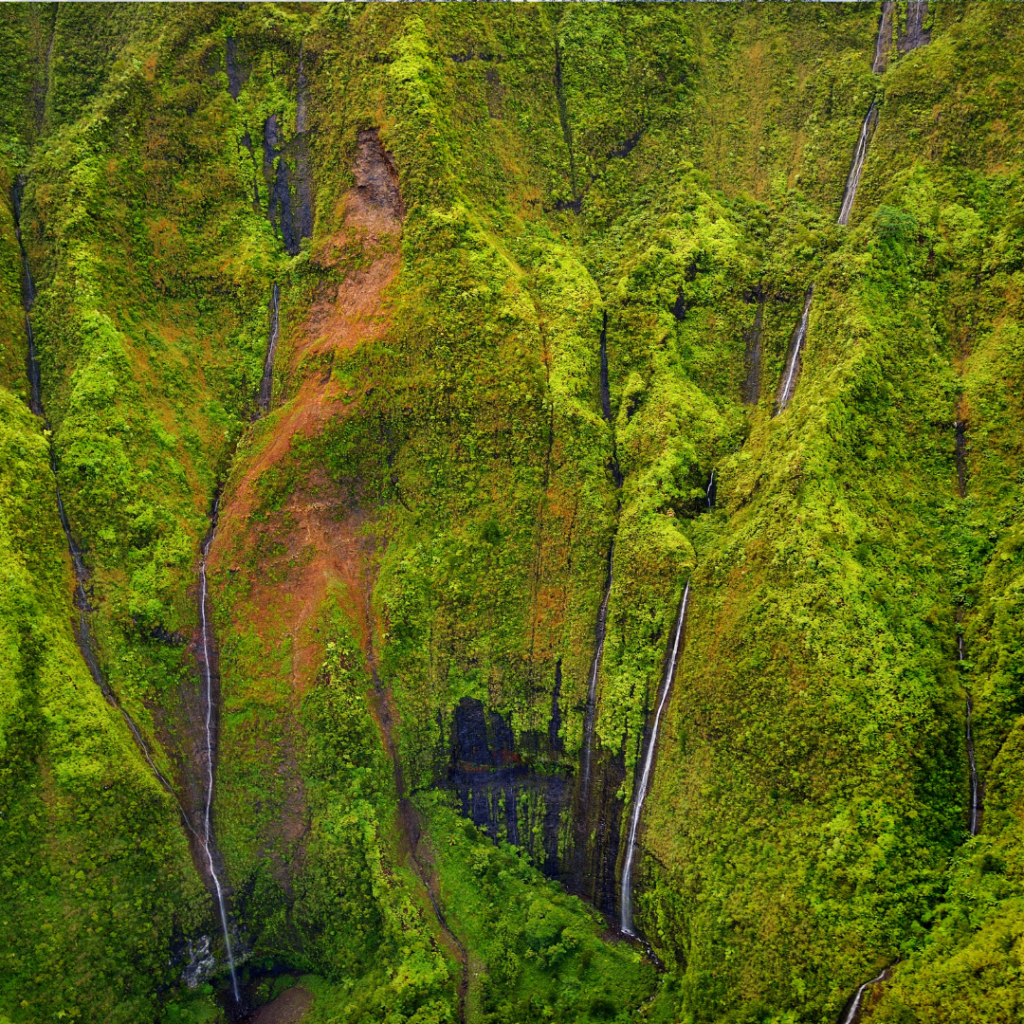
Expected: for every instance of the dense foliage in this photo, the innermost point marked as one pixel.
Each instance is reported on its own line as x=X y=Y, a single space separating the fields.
x=539 y=268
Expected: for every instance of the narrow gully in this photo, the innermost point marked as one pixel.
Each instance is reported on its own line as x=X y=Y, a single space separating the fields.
x=407 y=814
x=860 y=153
x=640 y=793
x=974 y=817
x=581 y=824
x=914 y=37
x=28 y=299
x=207 y=841
x=591 y=707
x=267 y=381
x=787 y=386
x=82 y=627
x=851 y=1013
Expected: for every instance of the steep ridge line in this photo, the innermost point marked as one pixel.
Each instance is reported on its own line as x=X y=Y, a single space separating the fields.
x=82 y=626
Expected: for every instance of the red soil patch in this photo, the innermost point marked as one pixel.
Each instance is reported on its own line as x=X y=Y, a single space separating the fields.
x=318 y=537
x=315 y=548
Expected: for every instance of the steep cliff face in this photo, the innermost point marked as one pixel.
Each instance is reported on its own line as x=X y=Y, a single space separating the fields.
x=471 y=322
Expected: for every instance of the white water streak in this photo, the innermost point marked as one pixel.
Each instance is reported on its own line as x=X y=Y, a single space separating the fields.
x=267 y=381
x=857 y=167
x=645 y=775
x=884 y=41
x=851 y=1014
x=207 y=838
x=788 y=384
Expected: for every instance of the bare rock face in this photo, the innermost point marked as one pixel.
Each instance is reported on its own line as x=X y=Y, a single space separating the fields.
x=914 y=34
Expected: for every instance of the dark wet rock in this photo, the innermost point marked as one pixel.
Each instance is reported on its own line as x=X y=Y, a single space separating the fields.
x=377 y=176
x=236 y=66
x=914 y=34
x=627 y=147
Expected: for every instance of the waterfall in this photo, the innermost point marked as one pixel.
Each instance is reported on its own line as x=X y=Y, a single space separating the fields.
x=710 y=492
x=595 y=668
x=884 y=41
x=974 y=821
x=788 y=384
x=853 y=1010
x=857 y=167
x=207 y=841
x=915 y=35
x=640 y=792
x=263 y=401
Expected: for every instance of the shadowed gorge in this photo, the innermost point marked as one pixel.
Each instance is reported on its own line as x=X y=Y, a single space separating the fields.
x=512 y=513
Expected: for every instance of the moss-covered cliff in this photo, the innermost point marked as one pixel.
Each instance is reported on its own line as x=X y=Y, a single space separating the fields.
x=465 y=323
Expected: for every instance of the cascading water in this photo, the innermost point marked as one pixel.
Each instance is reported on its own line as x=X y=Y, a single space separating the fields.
x=788 y=384
x=867 y=129
x=640 y=793
x=853 y=1008
x=883 y=42
x=710 y=492
x=266 y=382
x=974 y=818
x=915 y=36
x=206 y=669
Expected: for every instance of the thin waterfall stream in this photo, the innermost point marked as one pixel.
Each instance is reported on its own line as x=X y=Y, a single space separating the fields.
x=860 y=153
x=914 y=37
x=82 y=625
x=28 y=299
x=266 y=382
x=640 y=793
x=788 y=383
x=853 y=1008
x=209 y=702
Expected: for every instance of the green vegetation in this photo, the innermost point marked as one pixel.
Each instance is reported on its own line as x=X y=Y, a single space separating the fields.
x=422 y=522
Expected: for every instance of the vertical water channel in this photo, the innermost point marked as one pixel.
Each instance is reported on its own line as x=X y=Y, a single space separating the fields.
x=640 y=790
x=787 y=386
x=595 y=669
x=852 y=1010
x=913 y=37
x=595 y=841
x=209 y=704
x=267 y=380
x=82 y=624
x=974 y=814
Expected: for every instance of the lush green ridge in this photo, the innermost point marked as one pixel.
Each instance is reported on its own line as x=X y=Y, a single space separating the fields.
x=423 y=520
